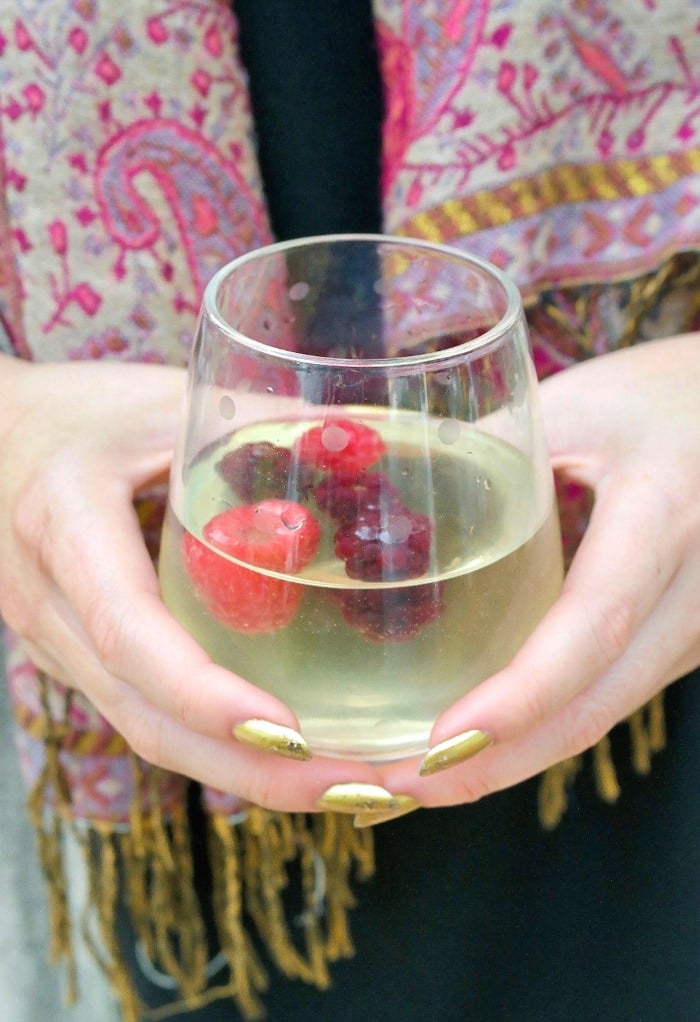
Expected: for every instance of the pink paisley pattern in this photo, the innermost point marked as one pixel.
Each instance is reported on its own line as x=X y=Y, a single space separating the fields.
x=424 y=69
x=208 y=199
x=153 y=188
x=556 y=138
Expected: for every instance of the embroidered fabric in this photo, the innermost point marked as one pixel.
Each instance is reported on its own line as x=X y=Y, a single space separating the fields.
x=558 y=140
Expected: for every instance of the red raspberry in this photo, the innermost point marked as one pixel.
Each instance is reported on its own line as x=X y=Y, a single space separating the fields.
x=340 y=445
x=377 y=547
x=392 y=615
x=278 y=535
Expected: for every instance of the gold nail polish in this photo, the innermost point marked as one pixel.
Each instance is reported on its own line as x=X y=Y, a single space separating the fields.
x=407 y=804
x=454 y=750
x=263 y=734
x=357 y=798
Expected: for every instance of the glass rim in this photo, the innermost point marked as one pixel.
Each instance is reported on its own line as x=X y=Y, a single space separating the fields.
x=505 y=324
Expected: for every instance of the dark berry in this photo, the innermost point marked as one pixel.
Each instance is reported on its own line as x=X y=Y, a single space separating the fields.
x=344 y=495
x=259 y=471
x=377 y=546
x=392 y=615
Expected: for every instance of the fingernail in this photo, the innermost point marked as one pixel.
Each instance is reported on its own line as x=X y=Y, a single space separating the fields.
x=357 y=798
x=263 y=734
x=407 y=804
x=454 y=750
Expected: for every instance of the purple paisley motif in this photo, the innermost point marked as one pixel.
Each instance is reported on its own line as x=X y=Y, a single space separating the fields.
x=217 y=214
x=427 y=65
x=443 y=52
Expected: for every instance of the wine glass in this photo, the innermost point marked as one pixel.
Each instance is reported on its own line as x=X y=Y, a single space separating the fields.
x=361 y=516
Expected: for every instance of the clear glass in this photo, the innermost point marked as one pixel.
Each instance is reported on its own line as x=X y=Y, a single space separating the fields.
x=361 y=515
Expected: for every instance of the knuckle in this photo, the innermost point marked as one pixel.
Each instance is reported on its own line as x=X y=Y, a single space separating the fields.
x=186 y=702
x=107 y=632
x=473 y=787
x=28 y=519
x=35 y=514
x=16 y=614
x=145 y=739
x=583 y=726
x=536 y=704
x=44 y=662
x=612 y=625
x=268 y=792
x=23 y=615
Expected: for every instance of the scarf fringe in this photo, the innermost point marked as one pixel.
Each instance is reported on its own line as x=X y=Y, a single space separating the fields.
x=258 y=863
x=149 y=869
x=647 y=731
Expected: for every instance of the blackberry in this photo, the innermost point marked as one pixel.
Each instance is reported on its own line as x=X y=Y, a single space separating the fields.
x=345 y=495
x=262 y=470
x=392 y=615
x=377 y=546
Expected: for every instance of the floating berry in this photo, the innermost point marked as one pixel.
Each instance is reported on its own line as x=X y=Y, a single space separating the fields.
x=376 y=547
x=239 y=597
x=392 y=615
x=257 y=471
x=345 y=495
x=277 y=535
x=340 y=445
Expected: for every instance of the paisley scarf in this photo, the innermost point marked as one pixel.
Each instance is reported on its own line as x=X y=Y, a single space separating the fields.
x=559 y=140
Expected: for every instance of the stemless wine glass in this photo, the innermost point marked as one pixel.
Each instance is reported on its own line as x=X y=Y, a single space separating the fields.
x=361 y=514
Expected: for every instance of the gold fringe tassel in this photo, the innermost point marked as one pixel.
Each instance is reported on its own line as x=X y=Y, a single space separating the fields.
x=258 y=865
x=647 y=728
x=51 y=789
x=554 y=785
x=100 y=850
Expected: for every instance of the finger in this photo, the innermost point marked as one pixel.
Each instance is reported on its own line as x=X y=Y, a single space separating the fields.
x=111 y=605
x=615 y=581
x=666 y=648
x=251 y=774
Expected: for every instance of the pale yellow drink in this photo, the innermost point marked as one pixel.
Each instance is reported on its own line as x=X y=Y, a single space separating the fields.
x=495 y=568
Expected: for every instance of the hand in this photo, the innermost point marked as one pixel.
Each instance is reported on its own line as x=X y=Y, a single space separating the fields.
x=77 y=442
x=627 y=622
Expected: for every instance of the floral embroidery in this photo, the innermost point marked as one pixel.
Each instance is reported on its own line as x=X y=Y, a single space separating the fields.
x=157 y=188
x=557 y=140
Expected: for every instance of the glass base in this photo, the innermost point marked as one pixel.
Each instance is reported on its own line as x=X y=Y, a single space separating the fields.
x=383 y=742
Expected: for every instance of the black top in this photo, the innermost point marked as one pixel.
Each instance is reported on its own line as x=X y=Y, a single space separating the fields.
x=316 y=94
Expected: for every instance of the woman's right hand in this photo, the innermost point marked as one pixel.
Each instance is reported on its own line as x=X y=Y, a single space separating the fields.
x=77 y=442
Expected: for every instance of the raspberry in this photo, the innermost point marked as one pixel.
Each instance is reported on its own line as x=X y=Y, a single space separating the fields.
x=377 y=546
x=345 y=495
x=277 y=535
x=239 y=597
x=392 y=615
x=256 y=471
x=340 y=445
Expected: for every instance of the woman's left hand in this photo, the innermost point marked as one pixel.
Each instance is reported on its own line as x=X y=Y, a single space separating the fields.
x=627 y=622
